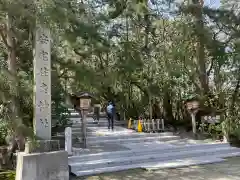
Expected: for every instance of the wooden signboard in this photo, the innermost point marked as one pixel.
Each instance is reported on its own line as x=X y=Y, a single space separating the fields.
x=85 y=103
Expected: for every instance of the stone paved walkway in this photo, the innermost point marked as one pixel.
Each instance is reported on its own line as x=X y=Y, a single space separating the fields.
x=220 y=171
x=228 y=170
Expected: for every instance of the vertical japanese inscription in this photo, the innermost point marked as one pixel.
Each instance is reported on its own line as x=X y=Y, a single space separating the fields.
x=44 y=88
x=43 y=36
x=43 y=55
x=42 y=73
x=42 y=105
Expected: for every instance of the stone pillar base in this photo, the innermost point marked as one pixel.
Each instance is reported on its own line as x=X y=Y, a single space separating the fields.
x=42 y=160
x=42 y=146
x=42 y=166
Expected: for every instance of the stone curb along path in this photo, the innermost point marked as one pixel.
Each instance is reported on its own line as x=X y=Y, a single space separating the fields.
x=140 y=150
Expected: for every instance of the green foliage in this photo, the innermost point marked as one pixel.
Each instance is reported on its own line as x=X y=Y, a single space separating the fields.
x=212 y=130
x=126 y=51
x=236 y=133
x=3 y=132
x=7 y=175
x=232 y=125
x=59 y=110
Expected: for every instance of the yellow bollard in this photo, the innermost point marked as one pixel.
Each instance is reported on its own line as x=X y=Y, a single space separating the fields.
x=130 y=123
x=139 y=126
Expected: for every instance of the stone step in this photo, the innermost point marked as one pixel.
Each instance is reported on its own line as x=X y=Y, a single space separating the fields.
x=186 y=162
x=74 y=113
x=75 y=120
x=81 y=166
x=135 y=166
x=97 y=136
x=127 y=136
x=118 y=130
x=71 y=110
x=94 y=124
x=165 y=164
x=79 y=128
x=74 y=134
x=77 y=132
x=101 y=115
x=90 y=120
x=190 y=161
x=163 y=148
x=113 y=135
x=134 y=140
x=88 y=124
x=93 y=136
x=180 y=163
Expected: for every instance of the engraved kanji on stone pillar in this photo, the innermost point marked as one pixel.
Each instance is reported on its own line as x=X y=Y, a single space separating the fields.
x=42 y=78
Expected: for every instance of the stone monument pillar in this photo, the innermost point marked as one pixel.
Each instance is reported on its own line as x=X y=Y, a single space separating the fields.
x=43 y=160
x=42 y=88
x=68 y=140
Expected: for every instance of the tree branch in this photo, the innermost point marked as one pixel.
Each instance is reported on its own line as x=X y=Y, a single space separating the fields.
x=235 y=93
x=81 y=54
x=2 y=29
x=210 y=68
x=137 y=84
x=63 y=73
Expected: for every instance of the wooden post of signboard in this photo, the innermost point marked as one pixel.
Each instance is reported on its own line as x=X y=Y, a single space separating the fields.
x=84 y=105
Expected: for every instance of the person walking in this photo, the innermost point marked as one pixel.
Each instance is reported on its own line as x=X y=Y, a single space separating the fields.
x=110 y=115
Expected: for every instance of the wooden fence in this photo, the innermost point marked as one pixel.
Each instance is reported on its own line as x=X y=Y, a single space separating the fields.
x=146 y=125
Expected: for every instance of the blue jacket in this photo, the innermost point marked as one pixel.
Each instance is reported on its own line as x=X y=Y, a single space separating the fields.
x=110 y=109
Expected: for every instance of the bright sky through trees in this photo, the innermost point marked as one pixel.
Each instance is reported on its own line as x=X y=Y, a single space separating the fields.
x=212 y=3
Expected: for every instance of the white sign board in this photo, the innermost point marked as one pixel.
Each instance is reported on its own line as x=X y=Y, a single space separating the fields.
x=85 y=103
x=42 y=78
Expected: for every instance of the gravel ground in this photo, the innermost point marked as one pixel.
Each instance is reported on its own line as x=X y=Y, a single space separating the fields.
x=228 y=170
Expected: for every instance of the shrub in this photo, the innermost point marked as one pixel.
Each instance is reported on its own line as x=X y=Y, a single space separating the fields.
x=3 y=132
x=7 y=175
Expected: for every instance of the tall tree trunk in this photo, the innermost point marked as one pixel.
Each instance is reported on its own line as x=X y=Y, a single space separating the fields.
x=167 y=105
x=128 y=98
x=235 y=93
x=199 y=25
x=147 y=50
x=12 y=67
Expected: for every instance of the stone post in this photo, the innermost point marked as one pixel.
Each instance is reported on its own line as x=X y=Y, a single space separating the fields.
x=68 y=140
x=42 y=89
x=163 y=126
x=153 y=124
x=158 y=124
x=194 y=128
x=84 y=128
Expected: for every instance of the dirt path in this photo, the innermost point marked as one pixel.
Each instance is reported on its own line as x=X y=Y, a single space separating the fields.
x=228 y=170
